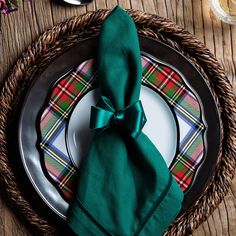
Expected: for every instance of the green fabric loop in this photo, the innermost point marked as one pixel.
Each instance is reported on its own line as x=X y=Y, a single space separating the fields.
x=132 y=118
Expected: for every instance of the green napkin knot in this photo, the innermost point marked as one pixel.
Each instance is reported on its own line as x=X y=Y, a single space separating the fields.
x=132 y=118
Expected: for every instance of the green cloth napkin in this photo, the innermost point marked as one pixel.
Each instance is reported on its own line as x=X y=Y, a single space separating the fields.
x=124 y=185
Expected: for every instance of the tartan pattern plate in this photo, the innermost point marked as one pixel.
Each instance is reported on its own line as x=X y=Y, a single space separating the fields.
x=164 y=79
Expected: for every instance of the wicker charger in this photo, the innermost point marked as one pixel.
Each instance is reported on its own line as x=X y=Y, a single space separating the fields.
x=63 y=36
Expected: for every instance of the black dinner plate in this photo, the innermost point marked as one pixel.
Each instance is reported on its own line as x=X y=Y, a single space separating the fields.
x=61 y=66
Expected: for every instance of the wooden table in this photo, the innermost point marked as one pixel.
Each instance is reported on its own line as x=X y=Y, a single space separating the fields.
x=21 y=28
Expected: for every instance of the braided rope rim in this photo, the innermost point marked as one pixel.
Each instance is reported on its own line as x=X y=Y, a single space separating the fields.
x=67 y=34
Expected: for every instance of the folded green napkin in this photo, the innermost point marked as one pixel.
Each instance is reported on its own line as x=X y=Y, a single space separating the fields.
x=124 y=185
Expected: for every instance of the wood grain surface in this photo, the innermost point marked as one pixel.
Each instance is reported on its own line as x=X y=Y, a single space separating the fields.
x=19 y=29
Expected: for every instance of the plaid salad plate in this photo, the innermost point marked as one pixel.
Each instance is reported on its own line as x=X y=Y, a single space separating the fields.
x=164 y=79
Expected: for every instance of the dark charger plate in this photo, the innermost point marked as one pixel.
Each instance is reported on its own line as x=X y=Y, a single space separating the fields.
x=62 y=65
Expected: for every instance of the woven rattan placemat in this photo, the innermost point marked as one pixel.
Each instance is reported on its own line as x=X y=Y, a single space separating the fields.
x=63 y=36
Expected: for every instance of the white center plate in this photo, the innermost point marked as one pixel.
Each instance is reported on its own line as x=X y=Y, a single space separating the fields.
x=160 y=127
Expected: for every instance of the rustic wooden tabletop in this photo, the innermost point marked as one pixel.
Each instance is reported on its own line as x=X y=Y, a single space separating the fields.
x=19 y=29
